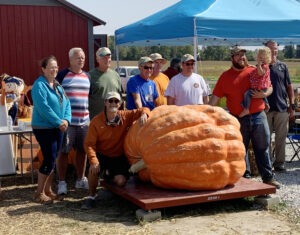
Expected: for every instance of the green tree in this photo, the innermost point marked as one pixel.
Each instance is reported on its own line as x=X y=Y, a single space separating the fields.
x=289 y=51
x=297 y=51
x=215 y=53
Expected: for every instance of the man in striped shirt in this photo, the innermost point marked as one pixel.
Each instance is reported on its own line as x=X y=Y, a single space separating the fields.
x=76 y=84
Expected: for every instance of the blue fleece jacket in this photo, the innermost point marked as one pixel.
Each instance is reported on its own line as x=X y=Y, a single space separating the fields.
x=49 y=109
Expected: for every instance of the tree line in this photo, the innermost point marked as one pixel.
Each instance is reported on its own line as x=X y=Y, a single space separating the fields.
x=219 y=53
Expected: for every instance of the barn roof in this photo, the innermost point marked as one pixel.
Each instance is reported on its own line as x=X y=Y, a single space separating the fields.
x=96 y=21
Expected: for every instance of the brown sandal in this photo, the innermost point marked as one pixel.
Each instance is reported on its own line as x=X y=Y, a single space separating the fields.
x=54 y=196
x=43 y=198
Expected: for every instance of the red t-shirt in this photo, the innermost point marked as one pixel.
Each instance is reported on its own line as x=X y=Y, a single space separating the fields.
x=233 y=84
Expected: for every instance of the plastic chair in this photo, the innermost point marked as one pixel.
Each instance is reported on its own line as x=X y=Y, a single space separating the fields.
x=294 y=140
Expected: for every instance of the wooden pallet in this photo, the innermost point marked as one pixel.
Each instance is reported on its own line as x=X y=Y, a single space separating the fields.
x=149 y=197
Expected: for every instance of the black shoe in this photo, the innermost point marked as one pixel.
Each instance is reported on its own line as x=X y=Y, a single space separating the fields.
x=279 y=169
x=88 y=204
x=272 y=182
x=247 y=175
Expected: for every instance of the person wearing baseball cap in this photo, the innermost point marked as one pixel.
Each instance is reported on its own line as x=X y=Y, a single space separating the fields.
x=104 y=144
x=232 y=85
x=160 y=79
x=103 y=79
x=187 y=87
x=141 y=90
x=237 y=49
x=103 y=51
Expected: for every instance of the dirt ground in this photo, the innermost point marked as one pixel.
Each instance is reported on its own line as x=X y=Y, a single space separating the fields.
x=114 y=215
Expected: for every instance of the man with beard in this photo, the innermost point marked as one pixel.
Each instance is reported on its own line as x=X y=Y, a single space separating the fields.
x=232 y=84
x=104 y=144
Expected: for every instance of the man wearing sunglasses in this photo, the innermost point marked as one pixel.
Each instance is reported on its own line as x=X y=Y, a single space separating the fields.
x=161 y=80
x=141 y=90
x=104 y=144
x=187 y=87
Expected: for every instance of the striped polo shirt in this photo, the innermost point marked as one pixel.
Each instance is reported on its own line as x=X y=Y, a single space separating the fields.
x=77 y=87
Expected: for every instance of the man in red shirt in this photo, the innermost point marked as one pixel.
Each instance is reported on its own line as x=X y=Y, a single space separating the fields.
x=232 y=84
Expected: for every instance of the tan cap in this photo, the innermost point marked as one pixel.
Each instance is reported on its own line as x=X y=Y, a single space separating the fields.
x=157 y=56
x=144 y=60
x=236 y=49
x=103 y=51
x=187 y=57
x=113 y=94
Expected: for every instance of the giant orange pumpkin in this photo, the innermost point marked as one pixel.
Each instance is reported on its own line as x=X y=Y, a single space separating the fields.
x=194 y=147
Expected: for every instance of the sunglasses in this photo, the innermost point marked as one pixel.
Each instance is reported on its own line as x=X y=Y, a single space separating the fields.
x=189 y=64
x=113 y=101
x=148 y=67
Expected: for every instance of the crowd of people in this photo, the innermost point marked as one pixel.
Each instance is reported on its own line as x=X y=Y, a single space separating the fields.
x=84 y=111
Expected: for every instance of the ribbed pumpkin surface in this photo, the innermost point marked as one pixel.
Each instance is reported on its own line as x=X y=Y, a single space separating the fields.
x=194 y=147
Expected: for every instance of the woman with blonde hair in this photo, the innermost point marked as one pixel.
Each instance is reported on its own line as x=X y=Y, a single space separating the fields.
x=259 y=79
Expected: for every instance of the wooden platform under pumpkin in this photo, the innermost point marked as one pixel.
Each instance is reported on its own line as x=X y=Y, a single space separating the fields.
x=148 y=197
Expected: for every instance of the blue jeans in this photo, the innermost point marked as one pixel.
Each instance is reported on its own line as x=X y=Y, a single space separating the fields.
x=247 y=99
x=255 y=127
x=50 y=141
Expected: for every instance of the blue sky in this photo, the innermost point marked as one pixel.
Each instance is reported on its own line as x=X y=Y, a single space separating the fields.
x=119 y=13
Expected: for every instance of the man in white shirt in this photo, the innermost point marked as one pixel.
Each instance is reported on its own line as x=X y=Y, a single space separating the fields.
x=187 y=87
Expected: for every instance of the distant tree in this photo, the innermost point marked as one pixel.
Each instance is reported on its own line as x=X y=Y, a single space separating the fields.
x=289 y=51
x=215 y=53
x=297 y=50
x=133 y=53
x=280 y=55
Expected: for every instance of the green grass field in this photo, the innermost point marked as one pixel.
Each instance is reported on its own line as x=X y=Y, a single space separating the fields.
x=211 y=70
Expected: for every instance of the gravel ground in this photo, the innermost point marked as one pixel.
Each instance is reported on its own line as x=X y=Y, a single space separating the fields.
x=289 y=193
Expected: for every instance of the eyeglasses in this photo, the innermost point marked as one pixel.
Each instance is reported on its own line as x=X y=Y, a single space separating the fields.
x=52 y=68
x=148 y=67
x=113 y=101
x=189 y=64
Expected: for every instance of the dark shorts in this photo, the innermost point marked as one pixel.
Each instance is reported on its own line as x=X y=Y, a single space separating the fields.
x=112 y=166
x=74 y=138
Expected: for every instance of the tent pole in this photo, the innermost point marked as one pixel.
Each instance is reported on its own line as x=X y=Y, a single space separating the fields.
x=195 y=46
x=117 y=53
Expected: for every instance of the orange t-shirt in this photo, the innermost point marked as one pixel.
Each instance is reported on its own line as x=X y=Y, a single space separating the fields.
x=162 y=82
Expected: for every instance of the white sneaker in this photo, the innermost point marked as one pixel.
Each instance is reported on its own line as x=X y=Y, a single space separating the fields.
x=62 y=188
x=83 y=183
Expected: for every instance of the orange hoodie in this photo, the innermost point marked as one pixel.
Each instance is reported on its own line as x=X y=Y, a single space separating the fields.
x=108 y=140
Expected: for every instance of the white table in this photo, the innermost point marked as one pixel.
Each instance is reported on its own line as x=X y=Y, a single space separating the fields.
x=20 y=133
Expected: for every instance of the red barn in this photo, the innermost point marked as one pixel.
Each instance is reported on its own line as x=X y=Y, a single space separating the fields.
x=34 y=29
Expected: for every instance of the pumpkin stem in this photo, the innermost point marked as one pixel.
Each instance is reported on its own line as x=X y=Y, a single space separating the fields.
x=136 y=167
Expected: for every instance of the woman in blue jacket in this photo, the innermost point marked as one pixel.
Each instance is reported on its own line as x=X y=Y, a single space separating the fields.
x=50 y=118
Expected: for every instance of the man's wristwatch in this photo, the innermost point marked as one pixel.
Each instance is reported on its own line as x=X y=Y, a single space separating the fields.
x=293 y=106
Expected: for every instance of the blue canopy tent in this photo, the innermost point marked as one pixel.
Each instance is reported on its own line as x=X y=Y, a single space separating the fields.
x=216 y=22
